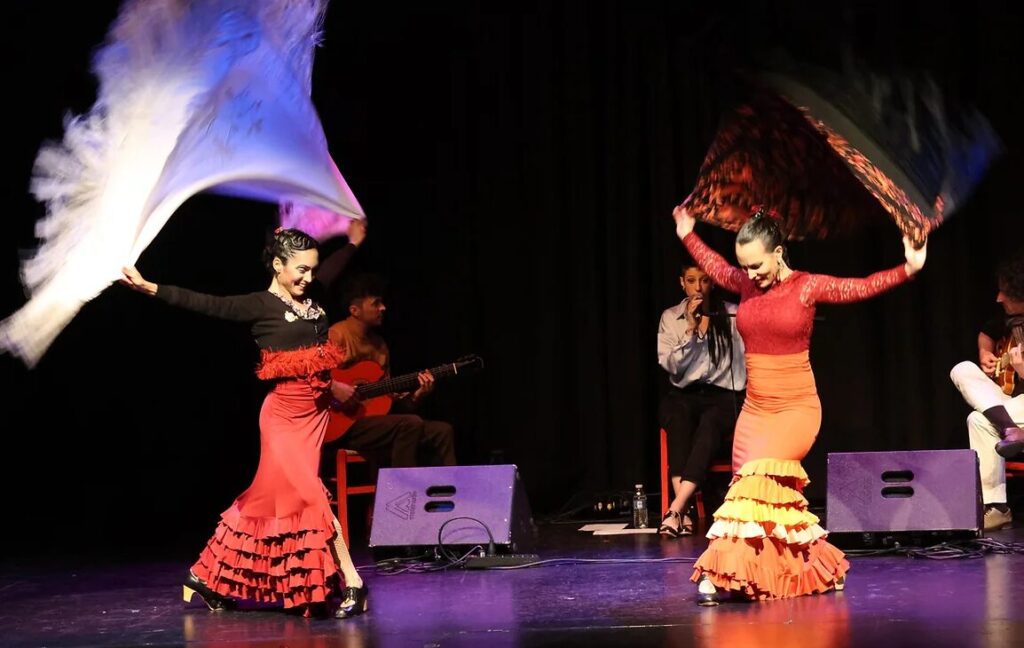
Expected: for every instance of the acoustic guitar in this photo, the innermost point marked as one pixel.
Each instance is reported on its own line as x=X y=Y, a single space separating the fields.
x=1004 y=374
x=373 y=391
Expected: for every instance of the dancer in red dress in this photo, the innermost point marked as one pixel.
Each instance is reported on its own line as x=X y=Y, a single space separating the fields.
x=765 y=544
x=279 y=542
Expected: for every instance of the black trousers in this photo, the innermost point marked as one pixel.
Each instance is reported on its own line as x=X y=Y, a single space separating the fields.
x=406 y=439
x=699 y=423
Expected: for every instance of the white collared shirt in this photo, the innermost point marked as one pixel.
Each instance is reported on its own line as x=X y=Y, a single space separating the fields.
x=686 y=357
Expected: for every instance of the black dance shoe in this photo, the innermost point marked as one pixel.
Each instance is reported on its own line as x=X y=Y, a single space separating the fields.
x=353 y=602
x=216 y=602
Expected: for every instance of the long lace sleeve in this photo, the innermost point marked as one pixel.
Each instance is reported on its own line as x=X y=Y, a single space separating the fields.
x=727 y=276
x=825 y=289
x=334 y=265
x=237 y=308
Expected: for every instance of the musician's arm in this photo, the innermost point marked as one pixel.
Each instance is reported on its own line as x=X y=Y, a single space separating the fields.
x=344 y=393
x=985 y=343
x=986 y=353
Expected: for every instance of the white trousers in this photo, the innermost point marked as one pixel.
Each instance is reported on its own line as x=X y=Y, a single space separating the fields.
x=982 y=393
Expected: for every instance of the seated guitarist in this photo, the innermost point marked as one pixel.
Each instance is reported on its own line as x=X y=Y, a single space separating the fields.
x=994 y=425
x=403 y=436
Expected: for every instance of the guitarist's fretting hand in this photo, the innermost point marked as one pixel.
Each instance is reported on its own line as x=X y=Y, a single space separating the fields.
x=426 y=386
x=1017 y=360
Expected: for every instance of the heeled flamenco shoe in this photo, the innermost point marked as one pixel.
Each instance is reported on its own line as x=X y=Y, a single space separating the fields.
x=216 y=602
x=353 y=602
x=707 y=594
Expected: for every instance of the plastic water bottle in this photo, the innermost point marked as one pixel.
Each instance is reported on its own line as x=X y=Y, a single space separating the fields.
x=639 y=508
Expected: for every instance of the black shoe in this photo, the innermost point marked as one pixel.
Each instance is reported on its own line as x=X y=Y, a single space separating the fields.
x=1008 y=448
x=216 y=602
x=353 y=602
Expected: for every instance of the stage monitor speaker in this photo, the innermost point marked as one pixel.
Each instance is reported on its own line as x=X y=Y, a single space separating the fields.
x=912 y=497
x=412 y=505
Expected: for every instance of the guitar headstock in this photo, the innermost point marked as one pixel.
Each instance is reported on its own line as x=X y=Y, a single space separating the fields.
x=469 y=363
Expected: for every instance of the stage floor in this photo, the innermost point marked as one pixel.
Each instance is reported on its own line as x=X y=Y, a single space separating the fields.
x=888 y=601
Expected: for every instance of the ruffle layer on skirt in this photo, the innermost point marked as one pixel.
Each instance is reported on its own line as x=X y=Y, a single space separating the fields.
x=764 y=541
x=270 y=560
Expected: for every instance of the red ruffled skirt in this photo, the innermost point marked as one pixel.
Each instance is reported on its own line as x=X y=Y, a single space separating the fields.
x=274 y=543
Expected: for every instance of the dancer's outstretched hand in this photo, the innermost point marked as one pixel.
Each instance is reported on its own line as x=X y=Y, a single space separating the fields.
x=357 y=232
x=134 y=280
x=915 y=257
x=684 y=221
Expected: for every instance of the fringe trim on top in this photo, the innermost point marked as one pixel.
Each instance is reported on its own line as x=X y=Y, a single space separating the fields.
x=299 y=363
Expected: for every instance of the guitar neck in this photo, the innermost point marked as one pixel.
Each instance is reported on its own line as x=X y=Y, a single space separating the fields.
x=404 y=383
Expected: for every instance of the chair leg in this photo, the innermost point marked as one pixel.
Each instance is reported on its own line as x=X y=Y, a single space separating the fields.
x=665 y=486
x=342 y=473
x=699 y=501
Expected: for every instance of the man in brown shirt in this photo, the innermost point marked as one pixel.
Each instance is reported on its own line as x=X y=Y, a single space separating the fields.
x=402 y=434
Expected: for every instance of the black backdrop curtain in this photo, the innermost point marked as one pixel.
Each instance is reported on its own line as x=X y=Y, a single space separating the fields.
x=519 y=162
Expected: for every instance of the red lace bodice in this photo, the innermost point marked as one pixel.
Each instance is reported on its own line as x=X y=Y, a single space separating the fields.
x=779 y=320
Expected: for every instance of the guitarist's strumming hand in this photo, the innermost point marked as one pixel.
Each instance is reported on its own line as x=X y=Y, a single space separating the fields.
x=988 y=361
x=344 y=393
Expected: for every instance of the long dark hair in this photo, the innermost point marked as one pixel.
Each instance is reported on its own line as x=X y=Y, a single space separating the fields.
x=719 y=326
x=284 y=243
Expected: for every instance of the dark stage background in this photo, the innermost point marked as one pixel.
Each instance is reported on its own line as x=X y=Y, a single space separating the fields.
x=518 y=162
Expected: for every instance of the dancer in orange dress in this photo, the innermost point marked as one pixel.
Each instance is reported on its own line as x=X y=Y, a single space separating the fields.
x=279 y=542
x=765 y=544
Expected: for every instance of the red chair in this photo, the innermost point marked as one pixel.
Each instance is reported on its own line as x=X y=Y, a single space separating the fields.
x=344 y=490
x=666 y=485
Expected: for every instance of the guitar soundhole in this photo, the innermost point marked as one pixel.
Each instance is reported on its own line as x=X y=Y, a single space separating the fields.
x=440 y=491
x=897 y=491
x=890 y=476
x=439 y=507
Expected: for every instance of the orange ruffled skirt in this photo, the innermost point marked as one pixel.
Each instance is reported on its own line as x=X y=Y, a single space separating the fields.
x=273 y=544
x=764 y=542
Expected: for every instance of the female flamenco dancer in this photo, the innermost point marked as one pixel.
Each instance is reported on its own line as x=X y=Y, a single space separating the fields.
x=279 y=542
x=765 y=544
